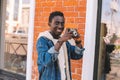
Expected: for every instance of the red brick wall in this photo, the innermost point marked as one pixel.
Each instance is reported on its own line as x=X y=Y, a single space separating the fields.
x=74 y=11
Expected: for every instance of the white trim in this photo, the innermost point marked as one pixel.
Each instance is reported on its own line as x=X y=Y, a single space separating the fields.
x=30 y=41
x=2 y=32
x=90 y=34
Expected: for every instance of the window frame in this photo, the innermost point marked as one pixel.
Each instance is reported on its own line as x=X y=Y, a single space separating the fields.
x=2 y=29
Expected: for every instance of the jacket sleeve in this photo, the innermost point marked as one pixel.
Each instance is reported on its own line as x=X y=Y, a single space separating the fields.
x=74 y=51
x=46 y=52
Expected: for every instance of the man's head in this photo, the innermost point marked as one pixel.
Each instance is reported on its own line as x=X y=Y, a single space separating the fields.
x=56 y=23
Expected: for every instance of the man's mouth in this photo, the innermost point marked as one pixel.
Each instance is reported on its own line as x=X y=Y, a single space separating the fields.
x=60 y=30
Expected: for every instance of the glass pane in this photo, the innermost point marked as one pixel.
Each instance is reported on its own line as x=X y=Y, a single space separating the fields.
x=16 y=9
x=26 y=1
x=109 y=54
x=16 y=35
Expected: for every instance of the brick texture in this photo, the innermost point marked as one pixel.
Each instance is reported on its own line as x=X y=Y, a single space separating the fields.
x=74 y=11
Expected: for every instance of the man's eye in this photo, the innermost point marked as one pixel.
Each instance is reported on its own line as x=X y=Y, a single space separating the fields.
x=57 y=23
x=62 y=23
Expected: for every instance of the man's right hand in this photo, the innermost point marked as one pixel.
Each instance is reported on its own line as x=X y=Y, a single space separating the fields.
x=66 y=36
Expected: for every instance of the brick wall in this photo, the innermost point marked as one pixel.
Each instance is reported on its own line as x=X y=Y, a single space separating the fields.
x=74 y=11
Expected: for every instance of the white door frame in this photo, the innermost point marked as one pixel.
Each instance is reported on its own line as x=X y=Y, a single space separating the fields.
x=30 y=41
x=89 y=40
x=90 y=35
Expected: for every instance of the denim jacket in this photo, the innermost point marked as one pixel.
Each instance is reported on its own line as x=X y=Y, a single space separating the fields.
x=47 y=62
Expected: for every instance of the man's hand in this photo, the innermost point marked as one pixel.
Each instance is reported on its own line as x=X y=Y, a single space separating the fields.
x=66 y=36
x=78 y=43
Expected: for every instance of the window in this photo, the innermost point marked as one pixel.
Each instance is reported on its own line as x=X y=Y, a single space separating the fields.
x=16 y=9
x=26 y=1
x=16 y=37
x=107 y=41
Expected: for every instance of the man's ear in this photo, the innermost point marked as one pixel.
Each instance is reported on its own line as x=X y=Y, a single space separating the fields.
x=49 y=24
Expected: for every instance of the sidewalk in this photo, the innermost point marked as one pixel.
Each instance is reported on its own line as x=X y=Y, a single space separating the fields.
x=4 y=77
x=115 y=68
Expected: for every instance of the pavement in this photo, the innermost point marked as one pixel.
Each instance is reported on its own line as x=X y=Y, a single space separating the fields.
x=4 y=77
x=115 y=67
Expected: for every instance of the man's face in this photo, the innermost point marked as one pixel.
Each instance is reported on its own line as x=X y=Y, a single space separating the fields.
x=57 y=25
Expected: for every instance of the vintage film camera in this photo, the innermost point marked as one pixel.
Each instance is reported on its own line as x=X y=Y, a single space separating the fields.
x=74 y=32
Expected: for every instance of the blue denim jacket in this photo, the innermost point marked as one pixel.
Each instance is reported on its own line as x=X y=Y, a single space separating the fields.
x=47 y=62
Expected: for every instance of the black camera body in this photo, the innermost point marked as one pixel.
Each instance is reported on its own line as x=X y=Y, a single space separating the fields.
x=74 y=32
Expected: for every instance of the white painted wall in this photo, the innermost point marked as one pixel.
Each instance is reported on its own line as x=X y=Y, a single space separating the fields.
x=90 y=34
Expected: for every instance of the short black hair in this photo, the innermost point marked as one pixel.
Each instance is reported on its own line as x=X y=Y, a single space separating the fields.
x=55 y=13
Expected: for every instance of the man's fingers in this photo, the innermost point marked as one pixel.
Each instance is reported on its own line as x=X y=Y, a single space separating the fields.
x=67 y=30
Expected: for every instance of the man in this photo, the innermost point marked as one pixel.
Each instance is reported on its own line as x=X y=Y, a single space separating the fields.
x=54 y=50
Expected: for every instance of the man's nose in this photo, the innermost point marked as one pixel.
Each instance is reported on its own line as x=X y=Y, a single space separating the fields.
x=61 y=24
